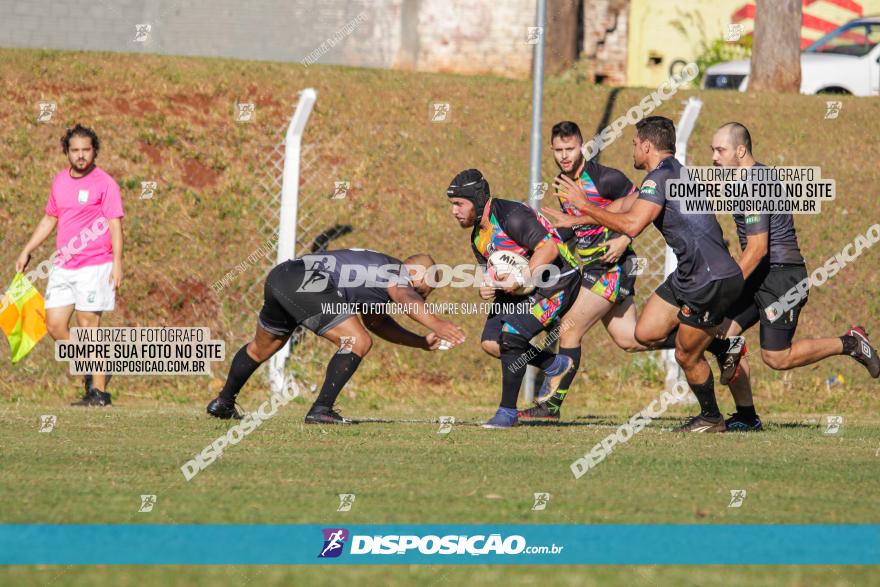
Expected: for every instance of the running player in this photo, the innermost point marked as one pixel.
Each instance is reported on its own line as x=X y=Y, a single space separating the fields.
x=300 y=292
x=772 y=264
x=706 y=281
x=505 y=225
x=608 y=262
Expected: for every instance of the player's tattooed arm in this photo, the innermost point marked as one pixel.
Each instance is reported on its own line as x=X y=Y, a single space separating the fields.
x=756 y=249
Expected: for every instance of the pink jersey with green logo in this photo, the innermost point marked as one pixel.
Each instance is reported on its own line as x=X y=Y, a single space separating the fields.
x=84 y=207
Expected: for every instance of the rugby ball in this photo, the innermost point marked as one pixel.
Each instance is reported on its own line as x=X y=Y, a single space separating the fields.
x=504 y=266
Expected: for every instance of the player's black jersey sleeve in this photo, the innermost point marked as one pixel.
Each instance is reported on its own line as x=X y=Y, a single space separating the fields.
x=757 y=224
x=611 y=183
x=653 y=189
x=782 y=239
x=520 y=223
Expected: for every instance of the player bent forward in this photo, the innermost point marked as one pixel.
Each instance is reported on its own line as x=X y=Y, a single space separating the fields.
x=297 y=293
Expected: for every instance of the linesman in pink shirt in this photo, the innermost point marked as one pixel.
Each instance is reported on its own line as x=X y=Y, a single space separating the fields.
x=85 y=204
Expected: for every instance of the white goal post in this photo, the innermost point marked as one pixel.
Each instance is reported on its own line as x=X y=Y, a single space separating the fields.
x=288 y=213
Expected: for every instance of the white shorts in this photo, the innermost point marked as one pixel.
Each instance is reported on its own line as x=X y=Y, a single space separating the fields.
x=86 y=288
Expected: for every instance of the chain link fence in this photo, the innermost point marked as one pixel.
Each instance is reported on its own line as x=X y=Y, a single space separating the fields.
x=326 y=214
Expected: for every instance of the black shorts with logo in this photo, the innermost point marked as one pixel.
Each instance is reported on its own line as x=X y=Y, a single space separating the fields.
x=705 y=307
x=285 y=307
x=765 y=286
x=529 y=315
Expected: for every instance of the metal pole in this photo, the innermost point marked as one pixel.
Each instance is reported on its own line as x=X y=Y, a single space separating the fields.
x=537 y=107
x=535 y=157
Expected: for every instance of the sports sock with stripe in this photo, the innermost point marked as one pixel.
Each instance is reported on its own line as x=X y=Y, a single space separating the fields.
x=575 y=355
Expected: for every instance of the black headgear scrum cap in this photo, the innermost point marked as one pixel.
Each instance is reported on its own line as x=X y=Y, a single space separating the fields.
x=470 y=185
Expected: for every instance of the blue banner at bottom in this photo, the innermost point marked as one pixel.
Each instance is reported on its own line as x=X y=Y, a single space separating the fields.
x=600 y=544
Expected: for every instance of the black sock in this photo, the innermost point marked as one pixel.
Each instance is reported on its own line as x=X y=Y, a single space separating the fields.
x=339 y=370
x=107 y=377
x=850 y=344
x=719 y=346
x=575 y=355
x=512 y=348
x=669 y=343
x=705 y=393
x=747 y=412
x=511 y=380
x=243 y=366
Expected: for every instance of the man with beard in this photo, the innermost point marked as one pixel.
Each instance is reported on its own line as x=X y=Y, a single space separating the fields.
x=84 y=202
x=608 y=262
x=505 y=225
x=706 y=282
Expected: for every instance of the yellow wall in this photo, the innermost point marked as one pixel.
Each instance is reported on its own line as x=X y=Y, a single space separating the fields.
x=671 y=30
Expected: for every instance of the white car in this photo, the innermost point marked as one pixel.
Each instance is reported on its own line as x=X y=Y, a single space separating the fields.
x=845 y=61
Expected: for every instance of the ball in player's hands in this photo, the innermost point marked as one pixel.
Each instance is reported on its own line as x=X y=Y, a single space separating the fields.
x=507 y=265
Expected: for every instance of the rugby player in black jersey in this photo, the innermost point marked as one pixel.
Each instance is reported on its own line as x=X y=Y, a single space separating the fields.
x=608 y=262
x=695 y=297
x=306 y=292
x=505 y=225
x=772 y=264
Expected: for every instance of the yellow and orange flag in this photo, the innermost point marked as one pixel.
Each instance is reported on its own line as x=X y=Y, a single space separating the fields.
x=22 y=317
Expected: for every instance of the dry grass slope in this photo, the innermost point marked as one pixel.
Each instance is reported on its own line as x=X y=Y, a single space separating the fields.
x=170 y=119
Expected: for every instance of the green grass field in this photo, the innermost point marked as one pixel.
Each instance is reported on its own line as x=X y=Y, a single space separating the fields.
x=169 y=119
x=95 y=464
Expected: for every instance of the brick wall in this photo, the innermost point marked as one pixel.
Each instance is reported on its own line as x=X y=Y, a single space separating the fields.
x=605 y=40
